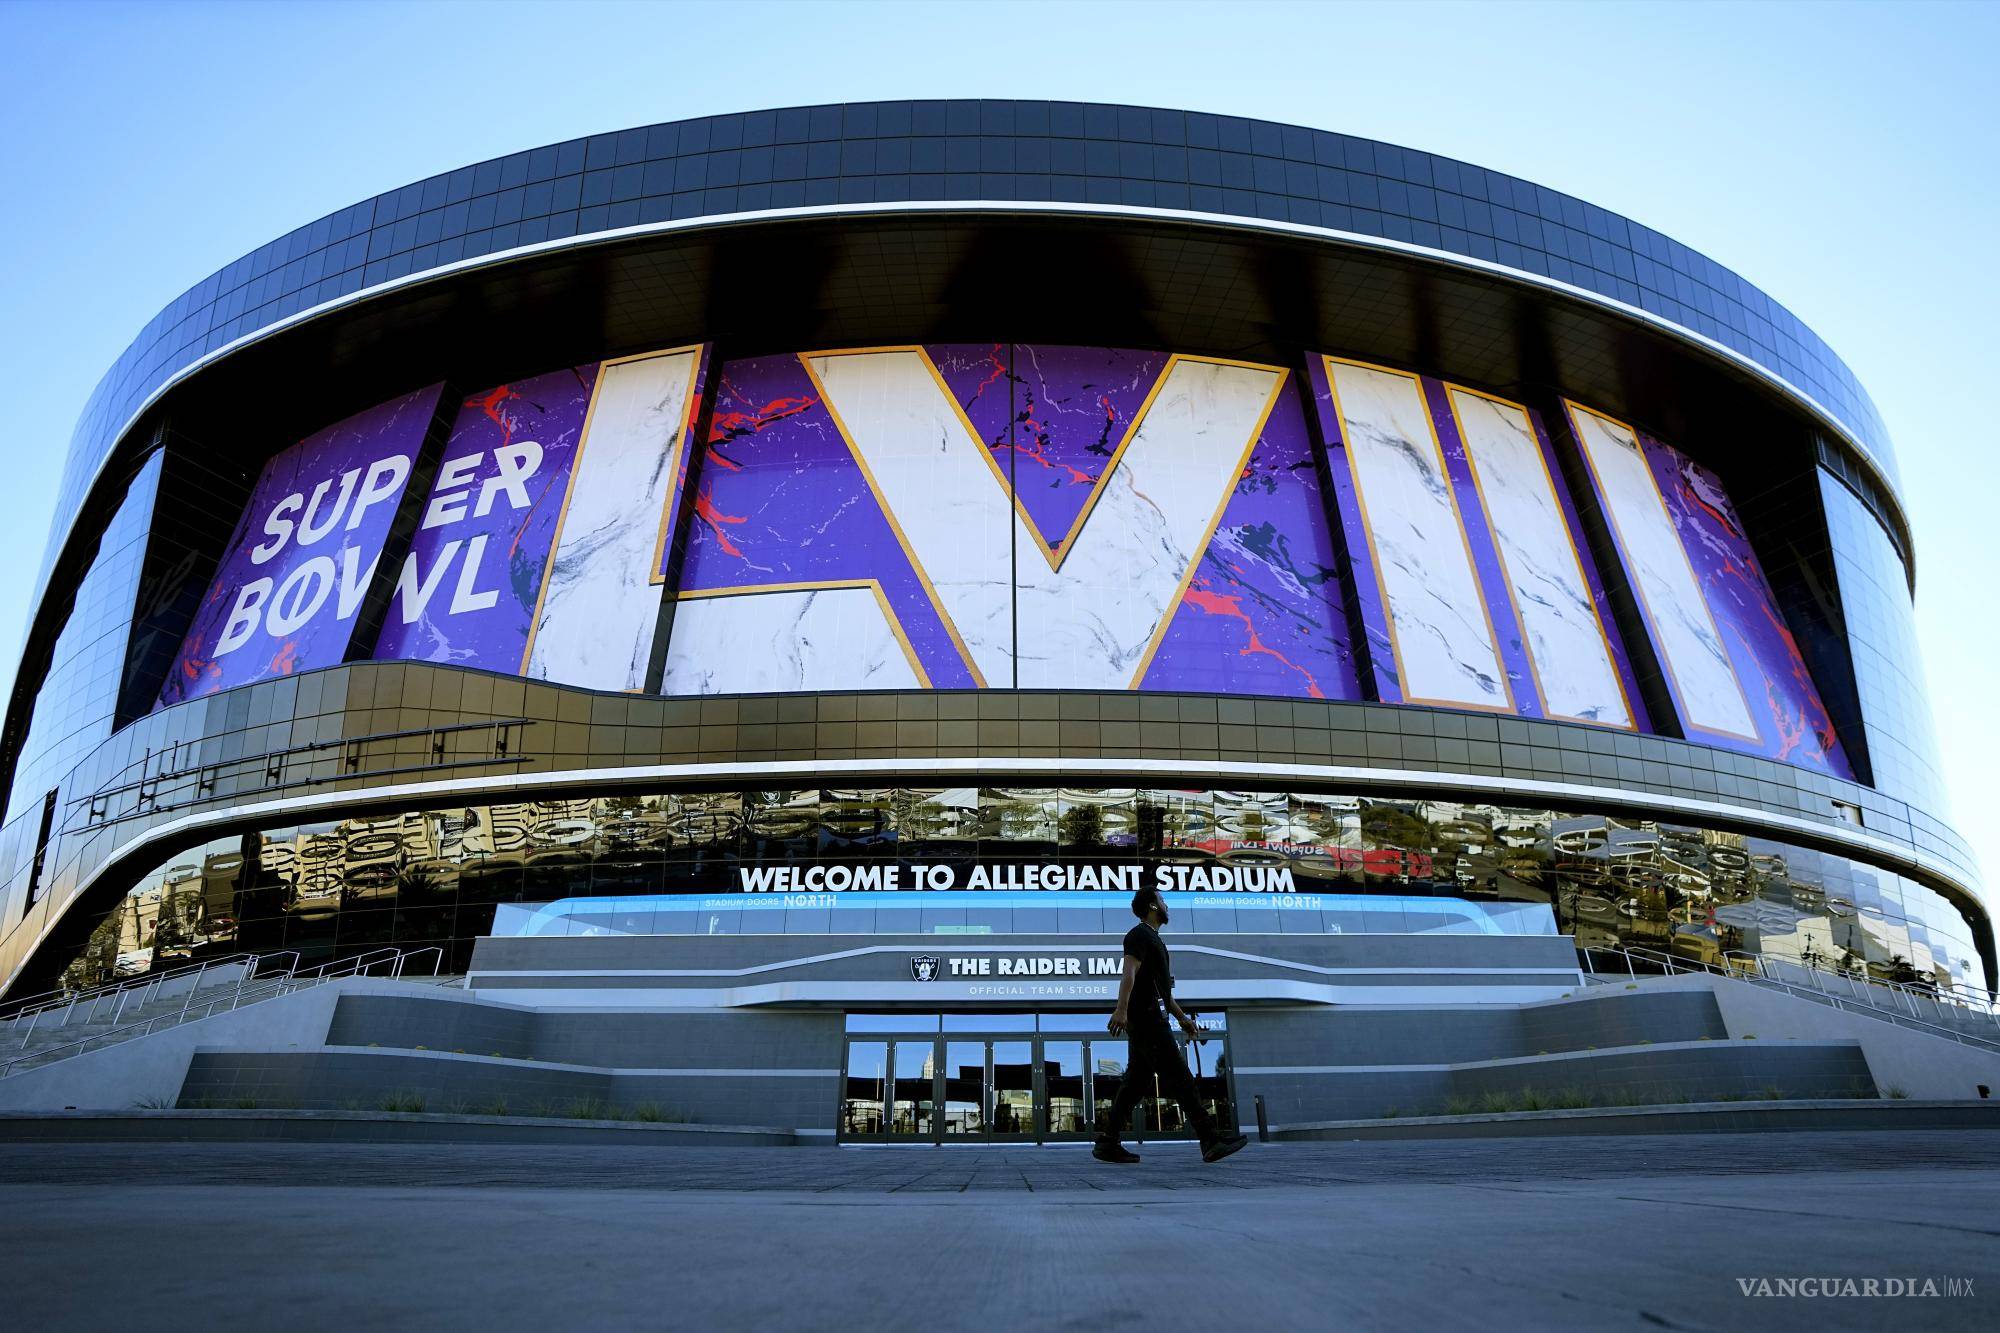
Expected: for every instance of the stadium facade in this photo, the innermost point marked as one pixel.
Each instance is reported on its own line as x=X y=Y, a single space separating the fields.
x=845 y=549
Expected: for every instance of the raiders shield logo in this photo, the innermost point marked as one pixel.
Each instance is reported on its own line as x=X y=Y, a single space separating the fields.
x=924 y=967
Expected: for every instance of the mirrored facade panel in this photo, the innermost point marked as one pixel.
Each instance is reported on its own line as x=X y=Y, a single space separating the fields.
x=76 y=704
x=1022 y=861
x=1882 y=643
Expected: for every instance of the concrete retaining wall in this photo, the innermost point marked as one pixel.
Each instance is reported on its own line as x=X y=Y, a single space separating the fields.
x=1914 y=1062
x=366 y=1079
x=1713 y=1118
x=1605 y=1046
x=361 y=1127
x=151 y=1069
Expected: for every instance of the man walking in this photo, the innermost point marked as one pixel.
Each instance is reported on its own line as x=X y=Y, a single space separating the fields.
x=1145 y=998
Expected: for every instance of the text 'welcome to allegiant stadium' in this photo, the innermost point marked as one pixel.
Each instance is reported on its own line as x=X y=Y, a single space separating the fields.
x=892 y=876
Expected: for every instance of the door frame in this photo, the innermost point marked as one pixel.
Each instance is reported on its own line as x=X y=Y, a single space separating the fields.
x=1039 y=1131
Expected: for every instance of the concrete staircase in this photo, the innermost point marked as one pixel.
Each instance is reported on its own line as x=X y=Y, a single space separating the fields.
x=462 y=1053
x=362 y=1044
x=1963 y=1020
x=1608 y=1046
x=44 y=1033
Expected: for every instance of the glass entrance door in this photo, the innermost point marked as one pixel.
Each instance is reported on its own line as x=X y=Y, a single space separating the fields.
x=1066 y=1107
x=1049 y=1082
x=965 y=1100
x=1016 y=1099
x=864 y=1087
x=914 y=1092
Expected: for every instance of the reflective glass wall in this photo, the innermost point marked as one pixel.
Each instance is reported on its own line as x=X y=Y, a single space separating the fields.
x=79 y=697
x=436 y=876
x=1882 y=640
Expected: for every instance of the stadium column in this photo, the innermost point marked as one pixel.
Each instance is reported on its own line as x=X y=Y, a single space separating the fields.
x=681 y=514
x=409 y=512
x=1784 y=520
x=201 y=496
x=1311 y=373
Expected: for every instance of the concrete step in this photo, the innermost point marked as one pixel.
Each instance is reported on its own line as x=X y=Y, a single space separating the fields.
x=54 y=1041
x=1693 y=1118
x=1637 y=1075
x=349 y=1078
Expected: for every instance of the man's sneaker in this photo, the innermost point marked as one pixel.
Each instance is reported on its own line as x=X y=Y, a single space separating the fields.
x=1113 y=1151
x=1217 y=1149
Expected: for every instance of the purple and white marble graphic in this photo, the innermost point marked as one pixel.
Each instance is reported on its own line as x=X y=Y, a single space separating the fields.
x=1064 y=414
x=785 y=512
x=781 y=505
x=601 y=598
x=1777 y=685
x=1434 y=622
x=1555 y=634
x=476 y=562
x=1263 y=613
x=300 y=561
x=1352 y=529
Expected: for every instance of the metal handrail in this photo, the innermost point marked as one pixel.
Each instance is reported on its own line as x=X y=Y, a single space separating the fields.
x=249 y=990
x=402 y=960
x=192 y=973
x=355 y=966
x=1671 y=965
x=1912 y=996
x=57 y=997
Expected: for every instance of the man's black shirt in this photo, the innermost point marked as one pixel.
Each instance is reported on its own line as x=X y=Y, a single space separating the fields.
x=1155 y=983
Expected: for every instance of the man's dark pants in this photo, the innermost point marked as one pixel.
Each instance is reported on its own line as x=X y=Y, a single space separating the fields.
x=1153 y=1052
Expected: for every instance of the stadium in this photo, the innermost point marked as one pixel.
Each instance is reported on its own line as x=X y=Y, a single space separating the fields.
x=750 y=598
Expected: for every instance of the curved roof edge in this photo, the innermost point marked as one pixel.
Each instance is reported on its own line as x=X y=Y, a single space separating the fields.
x=957 y=153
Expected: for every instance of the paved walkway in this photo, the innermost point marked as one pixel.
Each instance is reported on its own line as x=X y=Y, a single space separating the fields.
x=1532 y=1233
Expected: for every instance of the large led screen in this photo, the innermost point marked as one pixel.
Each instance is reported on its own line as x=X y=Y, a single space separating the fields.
x=303 y=556
x=1016 y=516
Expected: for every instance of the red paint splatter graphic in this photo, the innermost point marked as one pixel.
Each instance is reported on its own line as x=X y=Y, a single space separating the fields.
x=1231 y=607
x=489 y=405
x=193 y=665
x=994 y=360
x=735 y=424
x=706 y=511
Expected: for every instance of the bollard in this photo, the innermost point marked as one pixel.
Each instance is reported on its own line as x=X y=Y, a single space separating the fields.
x=1263 y=1124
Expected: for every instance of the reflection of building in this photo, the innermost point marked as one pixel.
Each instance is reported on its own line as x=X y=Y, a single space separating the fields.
x=1700 y=893
x=1133 y=593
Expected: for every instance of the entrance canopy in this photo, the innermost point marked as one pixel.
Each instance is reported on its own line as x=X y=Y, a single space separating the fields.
x=969 y=912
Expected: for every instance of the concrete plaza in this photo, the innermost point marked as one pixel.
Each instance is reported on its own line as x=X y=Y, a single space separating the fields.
x=1632 y=1232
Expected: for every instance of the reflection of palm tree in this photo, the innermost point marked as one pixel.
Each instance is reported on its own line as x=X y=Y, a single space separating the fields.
x=1392 y=826
x=1082 y=826
x=1901 y=971
x=411 y=880
x=1152 y=826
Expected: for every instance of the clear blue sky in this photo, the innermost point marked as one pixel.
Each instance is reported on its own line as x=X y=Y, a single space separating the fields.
x=1843 y=157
